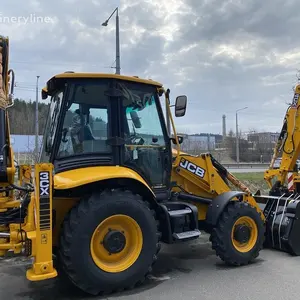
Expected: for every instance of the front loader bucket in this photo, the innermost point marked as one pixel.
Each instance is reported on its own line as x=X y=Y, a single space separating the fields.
x=282 y=215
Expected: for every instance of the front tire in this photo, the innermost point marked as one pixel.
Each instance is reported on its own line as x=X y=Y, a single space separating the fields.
x=239 y=235
x=109 y=242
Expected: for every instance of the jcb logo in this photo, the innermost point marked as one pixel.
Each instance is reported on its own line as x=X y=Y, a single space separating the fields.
x=44 y=184
x=185 y=164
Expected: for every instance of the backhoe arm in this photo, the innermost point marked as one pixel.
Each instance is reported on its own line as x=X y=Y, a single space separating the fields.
x=288 y=144
x=6 y=156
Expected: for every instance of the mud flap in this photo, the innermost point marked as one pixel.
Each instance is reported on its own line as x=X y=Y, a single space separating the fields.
x=217 y=206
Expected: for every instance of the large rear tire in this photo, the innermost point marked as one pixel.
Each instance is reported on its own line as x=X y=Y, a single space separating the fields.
x=239 y=235
x=109 y=242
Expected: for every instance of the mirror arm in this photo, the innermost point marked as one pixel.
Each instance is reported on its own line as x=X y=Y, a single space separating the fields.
x=169 y=114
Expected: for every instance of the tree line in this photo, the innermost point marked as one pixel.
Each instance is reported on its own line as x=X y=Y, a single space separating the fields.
x=22 y=117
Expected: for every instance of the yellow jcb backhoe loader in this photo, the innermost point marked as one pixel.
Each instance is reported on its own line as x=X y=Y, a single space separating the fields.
x=110 y=188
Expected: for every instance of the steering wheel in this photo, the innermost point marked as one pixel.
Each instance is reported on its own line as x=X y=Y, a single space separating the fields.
x=137 y=141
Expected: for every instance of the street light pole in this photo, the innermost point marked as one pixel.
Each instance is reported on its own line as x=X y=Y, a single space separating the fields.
x=118 y=60
x=37 y=118
x=237 y=135
x=118 y=63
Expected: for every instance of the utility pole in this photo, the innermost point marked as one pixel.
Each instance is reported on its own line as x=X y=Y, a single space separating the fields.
x=237 y=135
x=37 y=118
x=118 y=60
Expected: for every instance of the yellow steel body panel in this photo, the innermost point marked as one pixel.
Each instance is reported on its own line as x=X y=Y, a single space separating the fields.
x=108 y=75
x=82 y=176
x=61 y=206
x=46 y=91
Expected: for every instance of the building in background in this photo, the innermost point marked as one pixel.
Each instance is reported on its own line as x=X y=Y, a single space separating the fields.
x=263 y=138
x=196 y=142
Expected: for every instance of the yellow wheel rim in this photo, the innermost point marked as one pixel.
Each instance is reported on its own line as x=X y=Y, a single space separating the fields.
x=250 y=243
x=107 y=237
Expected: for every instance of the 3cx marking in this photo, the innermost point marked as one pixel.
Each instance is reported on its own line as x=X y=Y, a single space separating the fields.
x=44 y=184
x=185 y=164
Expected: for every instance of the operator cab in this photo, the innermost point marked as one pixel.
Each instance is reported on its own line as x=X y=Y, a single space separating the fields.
x=108 y=120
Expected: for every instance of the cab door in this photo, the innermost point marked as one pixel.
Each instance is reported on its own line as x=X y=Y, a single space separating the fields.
x=147 y=147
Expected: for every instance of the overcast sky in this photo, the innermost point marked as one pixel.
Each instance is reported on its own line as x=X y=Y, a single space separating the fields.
x=224 y=55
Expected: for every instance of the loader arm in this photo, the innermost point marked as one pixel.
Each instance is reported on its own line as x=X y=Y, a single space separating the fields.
x=288 y=145
x=204 y=177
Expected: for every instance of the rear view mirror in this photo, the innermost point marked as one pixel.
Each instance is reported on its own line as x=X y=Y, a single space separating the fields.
x=135 y=119
x=44 y=94
x=180 y=106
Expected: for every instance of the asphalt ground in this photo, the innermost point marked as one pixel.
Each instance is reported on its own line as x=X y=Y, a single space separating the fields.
x=186 y=271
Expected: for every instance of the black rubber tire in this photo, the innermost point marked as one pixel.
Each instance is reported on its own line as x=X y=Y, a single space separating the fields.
x=78 y=227
x=221 y=234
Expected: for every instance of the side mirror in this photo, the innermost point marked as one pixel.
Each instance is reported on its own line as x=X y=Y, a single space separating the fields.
x=44 y=94
x=180 y=139
x=180 y=106
x=135 y=119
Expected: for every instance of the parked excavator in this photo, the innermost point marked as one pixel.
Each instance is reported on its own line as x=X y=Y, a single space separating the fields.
x=112 y=184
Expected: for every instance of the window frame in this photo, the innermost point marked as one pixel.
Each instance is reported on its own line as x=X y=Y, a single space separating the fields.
x=167 y=141
x=83 y=159
x=49 y=122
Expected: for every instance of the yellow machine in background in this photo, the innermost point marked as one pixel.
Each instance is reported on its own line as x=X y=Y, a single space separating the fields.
x=282 y=209
x=26 y=219
x=109 y=188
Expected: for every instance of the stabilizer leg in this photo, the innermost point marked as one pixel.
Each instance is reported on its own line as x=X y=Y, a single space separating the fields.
x=42 y=237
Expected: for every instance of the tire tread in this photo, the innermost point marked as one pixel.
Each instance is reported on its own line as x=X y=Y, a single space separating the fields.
x=219 y=235
x=70 y=223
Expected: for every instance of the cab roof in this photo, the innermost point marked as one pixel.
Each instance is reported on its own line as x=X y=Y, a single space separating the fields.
x=70 y=75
